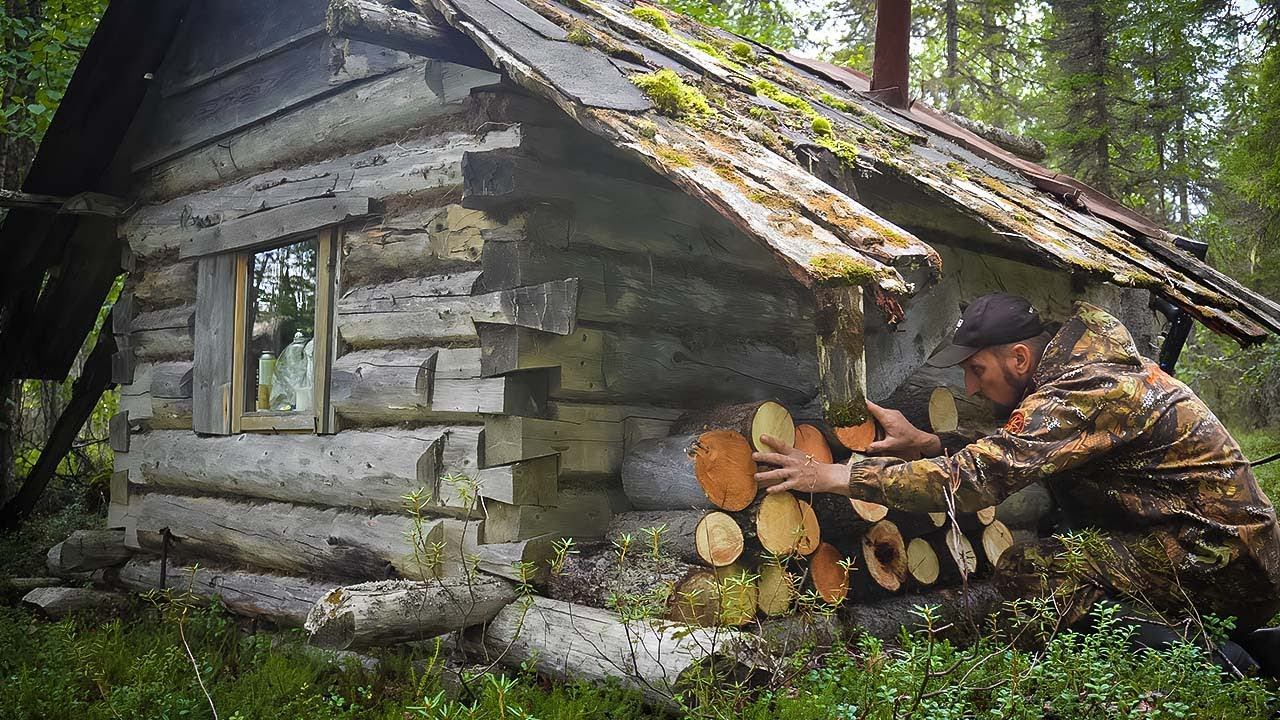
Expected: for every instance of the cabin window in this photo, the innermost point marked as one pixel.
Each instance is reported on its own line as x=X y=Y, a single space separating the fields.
x=283 y=335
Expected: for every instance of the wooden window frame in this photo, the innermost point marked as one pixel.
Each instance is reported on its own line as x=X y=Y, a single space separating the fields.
x=321 y=419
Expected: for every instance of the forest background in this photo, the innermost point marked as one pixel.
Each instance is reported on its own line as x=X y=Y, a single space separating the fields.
x=1173 y=106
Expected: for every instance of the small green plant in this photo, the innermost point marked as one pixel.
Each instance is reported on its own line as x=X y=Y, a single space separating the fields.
x=821 y=125
x=622 y=545
x=578 y=35
x=655 y=540
x=561 y=549
x=672 y=96
x=652 y=16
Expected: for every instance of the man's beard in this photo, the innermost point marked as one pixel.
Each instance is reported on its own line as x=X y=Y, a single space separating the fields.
x=1020 y=387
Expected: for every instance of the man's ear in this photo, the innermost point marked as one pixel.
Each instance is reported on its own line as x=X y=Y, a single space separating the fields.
x=1022 y=357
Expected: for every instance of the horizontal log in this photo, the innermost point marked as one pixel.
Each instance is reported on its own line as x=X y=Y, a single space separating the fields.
x=171 y=380
x=634 y=288
x=293 y=539
x=415 y=165
x=958 y=609
x=58 y=602
x=657 y=368
x=406 y=313
x=167 y=285
x=419 y=241
x=356 y=116
x=657 y=659
x=386 y=387
x=83 y=204
x=389 y=612
x=280 y=599
x=526 y=561
x=381 y=24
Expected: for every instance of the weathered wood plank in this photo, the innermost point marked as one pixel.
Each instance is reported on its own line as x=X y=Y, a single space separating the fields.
x=171 y=379
x=168 y=285
x=58 y=602
x=254 y=92
x=358 y=116
x=278 y=598
x=414 y=312
x=215 y=328
x=415 y=165
x=379 y=24
x=842 y=365
x=276 y=224
x=119 y=432
x=219 y=36
x=89 y=550
x=294 y=539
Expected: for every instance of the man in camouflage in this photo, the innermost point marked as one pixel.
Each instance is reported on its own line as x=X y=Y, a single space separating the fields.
x=1181 y=525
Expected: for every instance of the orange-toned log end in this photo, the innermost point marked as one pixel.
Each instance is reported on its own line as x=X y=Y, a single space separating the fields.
x=857 y=437
x=809 y=440
x=723 y=466
x=885 y=555
x=811 y=533
x=869 y=511
x=829 y=572
x=779 y=523
x=718 y=539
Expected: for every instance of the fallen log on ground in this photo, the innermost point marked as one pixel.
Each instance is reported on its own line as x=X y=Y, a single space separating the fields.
x=885 y=619
x=89 y=550
x=658 y=659
x=277 y=598
x=58 y=602
x=388 y=612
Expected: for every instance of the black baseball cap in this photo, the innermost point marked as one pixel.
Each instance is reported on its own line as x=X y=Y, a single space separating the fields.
x=995 y=319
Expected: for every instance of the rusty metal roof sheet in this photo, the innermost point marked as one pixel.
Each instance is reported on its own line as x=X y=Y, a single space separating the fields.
x=782 y=122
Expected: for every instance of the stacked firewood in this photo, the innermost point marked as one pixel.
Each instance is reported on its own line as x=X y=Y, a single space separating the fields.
x=738 y=553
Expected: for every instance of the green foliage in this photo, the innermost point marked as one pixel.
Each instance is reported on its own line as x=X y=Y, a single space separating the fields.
x=771 y=22
x=653 y=16
x=821 y=125
x=672 y=96
x=37 y=58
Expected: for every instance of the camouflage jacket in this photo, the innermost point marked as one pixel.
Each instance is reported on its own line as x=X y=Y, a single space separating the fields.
x=1124 y=448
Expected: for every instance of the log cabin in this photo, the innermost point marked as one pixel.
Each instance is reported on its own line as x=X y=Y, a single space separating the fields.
x=407 y=279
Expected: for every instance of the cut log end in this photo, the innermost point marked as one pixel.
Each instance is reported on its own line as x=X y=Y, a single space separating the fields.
x=829 y=573
x=986 y=515
x=718 y=539
x=943 y=414
x=869 y=511
x=938 y=518
x=811 y=533
x=996 y=539
x=779 y=523
x=857 y=437
x=922 y=562
x=776 y=592
x=694 y=600
x=961 y=551
x=723 y=466
x=774 y=420
x=809 y=440
x=885 y=555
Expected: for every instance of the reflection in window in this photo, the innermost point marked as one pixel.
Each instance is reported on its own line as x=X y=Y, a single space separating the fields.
x=281 y=320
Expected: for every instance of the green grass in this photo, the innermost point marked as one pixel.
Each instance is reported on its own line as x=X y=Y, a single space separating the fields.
x=1258 y=444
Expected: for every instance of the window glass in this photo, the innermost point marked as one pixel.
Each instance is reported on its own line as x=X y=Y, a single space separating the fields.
x=281 y=296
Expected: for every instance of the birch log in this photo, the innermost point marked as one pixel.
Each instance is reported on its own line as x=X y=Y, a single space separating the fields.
x=394 y=611
x=656 y=658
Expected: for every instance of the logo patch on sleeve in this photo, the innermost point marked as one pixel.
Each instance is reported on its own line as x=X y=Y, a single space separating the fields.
x=1017 y=423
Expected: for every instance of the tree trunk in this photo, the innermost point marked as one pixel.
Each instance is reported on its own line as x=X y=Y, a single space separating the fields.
x=396 y=611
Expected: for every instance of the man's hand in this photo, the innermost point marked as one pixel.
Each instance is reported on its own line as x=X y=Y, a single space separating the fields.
x=798 y=471
x=901 y=438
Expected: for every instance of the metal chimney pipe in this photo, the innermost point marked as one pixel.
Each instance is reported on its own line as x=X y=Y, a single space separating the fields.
x=891 y=66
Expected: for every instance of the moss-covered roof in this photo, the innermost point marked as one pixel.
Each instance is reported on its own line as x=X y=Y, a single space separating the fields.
x=765 y=138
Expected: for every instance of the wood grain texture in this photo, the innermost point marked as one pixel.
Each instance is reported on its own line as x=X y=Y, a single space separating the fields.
x=280 y=599
x=215 y=328
x=276 y=224
x=380 y=24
